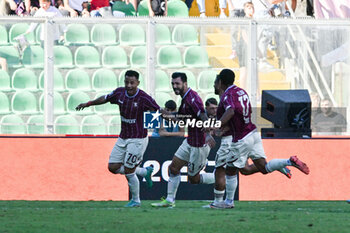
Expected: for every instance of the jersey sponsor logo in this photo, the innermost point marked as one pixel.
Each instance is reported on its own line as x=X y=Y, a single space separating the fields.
x=128 y=121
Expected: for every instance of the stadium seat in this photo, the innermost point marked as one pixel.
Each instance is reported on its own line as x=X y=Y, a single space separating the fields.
x=196 y=57
x=4 y=104
x=58 y=103
x=33 y=57
x=211 y=95
x=206 y=80
x=177 y=8
x=63 y=57
x=66 y=124
x=78 y=79
x=132 y=34
x=93 y=125
x=24 y=102
x=18 y=29
x=87 y=57
x=162 y=81
x=12 y=124
x=25 y=79
x=5 y=81
x=142 y=9
x=58 y=80
x=162 y=97
x=185 y=34
x=114 y=125
x=103 y=34
x=121 y=7
x=169 y=57
x=163 y=34
x=37 y=34
x=138 y=57
x=76 y=98
x=142 y=84
x=107 y=108
x=77 y=34
x=35 y=124
x=114 y=57
x=10 y=53
x=104 y=79
x=191 y=79
x=3 y=36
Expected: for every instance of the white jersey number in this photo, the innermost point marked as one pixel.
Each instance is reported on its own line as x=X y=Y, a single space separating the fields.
x=244 y=100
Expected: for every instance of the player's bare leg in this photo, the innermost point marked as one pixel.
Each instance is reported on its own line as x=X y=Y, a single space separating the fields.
x=250 y=169
x=146 y=172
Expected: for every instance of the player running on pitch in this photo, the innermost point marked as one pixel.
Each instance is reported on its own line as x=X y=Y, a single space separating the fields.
x=128 y=151
x=235 y=111
x=195 y=149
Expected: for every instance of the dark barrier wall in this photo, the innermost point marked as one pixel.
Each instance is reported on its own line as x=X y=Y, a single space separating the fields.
x=159 y=153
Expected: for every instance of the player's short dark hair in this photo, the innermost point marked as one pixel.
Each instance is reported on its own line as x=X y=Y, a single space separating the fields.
x=132 y=73
x=171 y=105
x=227 y=77
x=183 y=76
x=211 y=101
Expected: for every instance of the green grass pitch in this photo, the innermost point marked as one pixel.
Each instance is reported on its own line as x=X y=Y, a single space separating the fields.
x=187 y=216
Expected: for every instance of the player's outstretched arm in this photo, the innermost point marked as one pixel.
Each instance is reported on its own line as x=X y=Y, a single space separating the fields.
x=227 y=116
x=98 y=101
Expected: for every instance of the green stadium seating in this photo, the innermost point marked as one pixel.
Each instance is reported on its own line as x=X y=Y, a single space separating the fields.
x=127 y=9
x=58 y=80
x=58 y=103
x=12 y=124
x=37 y=34
x=163 y=34
x=104 y=79
x=142 y=9
x=74 y=99
x=24 y=102
x=35 y=124
x=87 y=57
x=25 y=79
x=103 y=34
x=63 y=57
x=10 y=53
x=107 y=108
x=5 y=81
x=169 y=57
x=66 y=124
x=4 y=104
x=18 y=29
x=78 y=79
x=4 y=40
x=162 y=81
x=114 y=125
x=33 y=57
x=196 y=57
x=162 y=97
x=142 y=84
x=191 y=79
x=185 y=34
x=93 y=125
x=177 y=8
x=132 y=34
x=138 y=57
x=206 y=80
x=77 y=34
x=114 y=57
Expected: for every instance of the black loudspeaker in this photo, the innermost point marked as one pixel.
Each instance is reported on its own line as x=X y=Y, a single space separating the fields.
x=287 y=108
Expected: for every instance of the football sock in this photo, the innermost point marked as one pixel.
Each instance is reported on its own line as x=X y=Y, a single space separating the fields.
x=173 y=184
x=231 y=185
x=121 y=170
x=134 y=186
x=218 y=195
x=277 y=164
x=207 y=178
x=141 y=171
